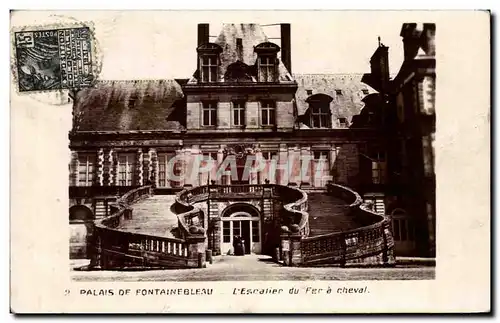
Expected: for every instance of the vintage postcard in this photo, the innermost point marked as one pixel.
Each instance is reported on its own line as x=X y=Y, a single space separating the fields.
x=250 y=162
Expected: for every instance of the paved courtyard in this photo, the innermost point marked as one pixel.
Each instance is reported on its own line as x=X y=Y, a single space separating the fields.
x=258 y=268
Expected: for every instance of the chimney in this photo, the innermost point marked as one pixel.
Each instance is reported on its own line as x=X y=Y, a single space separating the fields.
x=239 y=49
x=286 y=56
x=203 y=30
x=411 y=40
x=379 y=63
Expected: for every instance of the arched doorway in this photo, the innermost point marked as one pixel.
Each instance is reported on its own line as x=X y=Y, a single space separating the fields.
x=241 y=220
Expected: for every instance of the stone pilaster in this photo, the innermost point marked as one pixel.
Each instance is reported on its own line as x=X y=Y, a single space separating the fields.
x=295 y=249
x=220 y=159
x=305 y=166
x=293 y=165
x=259 y=164
x=140 y=169
x=282 y=166
x=196 y=246
x=113 y=174
x=73 y=169
x=153 y=167
x=100 y=167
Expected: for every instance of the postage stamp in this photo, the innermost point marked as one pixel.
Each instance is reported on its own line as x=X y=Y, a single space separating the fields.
x=54 y=59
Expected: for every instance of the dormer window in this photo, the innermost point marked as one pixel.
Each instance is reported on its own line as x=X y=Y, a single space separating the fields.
x=209 y=68
x=320 y=115
x=319 y=110
x=208 y=55
x=343 y=123
x=131 y=102
x=267 y=62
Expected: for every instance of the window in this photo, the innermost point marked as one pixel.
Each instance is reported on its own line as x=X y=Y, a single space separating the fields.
x=210 y=160
x=267 y=68
x=338 y=92
x=162 y=170
x=239 y=113
x=239 y=42
x=309 y=92
x=226 y=232
x=321 y=155
x=365 y=91
x=378 y=172
x=237 y=228
x=268 y=155
x=209 y=68
x=403 y=229
x=268 y=113
x=343 y=122
x=320 y=116
x=209 y=113
x=131 y=102
x=126 y=169
x=210 y=156
x=86 y=169
x=163 y=175
x=255 y=231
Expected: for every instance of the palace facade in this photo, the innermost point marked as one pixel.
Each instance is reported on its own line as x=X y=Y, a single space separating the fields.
x=244 y=106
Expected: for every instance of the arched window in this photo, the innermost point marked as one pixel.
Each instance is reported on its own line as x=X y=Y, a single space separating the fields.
x=208 y=56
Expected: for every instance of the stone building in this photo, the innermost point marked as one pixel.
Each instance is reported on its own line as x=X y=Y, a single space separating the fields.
x=243 y=117
x=406 y=106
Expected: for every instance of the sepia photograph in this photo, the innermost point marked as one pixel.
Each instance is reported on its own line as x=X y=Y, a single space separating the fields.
x=200 y=155
x=247 y=170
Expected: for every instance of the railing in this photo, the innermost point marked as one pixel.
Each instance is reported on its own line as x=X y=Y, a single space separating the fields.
x=119 y=248
x=294 y=209
x=371 y=244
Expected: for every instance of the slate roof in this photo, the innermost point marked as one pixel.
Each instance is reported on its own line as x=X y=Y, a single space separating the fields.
x=347 y=104
x=128 y=105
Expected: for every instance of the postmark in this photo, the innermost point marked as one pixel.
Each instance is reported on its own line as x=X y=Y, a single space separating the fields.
x=54 y=59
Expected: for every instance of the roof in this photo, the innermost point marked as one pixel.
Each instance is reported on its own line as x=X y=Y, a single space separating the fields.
x=127 y=105
x=347 y=103
x=251 y=35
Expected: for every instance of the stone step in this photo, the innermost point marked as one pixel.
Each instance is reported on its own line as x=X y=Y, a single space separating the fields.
x=153 y=216
x=327 y=215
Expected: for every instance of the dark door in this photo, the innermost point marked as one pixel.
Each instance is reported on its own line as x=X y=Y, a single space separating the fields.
x=245 y=234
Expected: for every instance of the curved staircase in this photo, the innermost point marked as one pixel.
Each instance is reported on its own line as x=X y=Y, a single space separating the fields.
x=166 y=231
